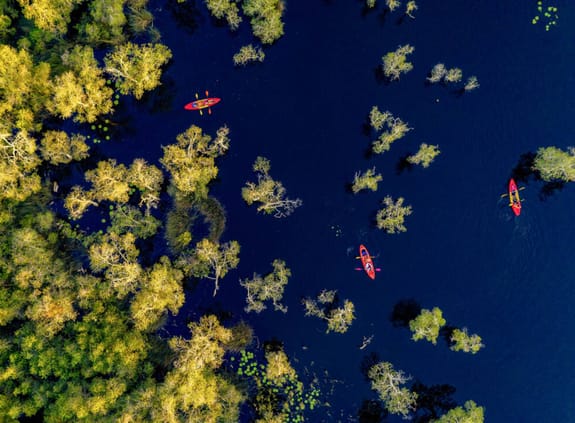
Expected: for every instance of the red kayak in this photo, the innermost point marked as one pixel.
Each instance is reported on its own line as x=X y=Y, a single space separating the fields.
x=514 y=200
x=366 y=261
x=203 y=103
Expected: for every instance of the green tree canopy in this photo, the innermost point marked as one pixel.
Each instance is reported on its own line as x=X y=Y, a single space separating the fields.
x=387 y=382
x=427 y=325
x=469 y=413
x=137 y=68
x=395 y=63
x=392 y=216
x=425 y=155
x=269 y=193
x=553 y=163
x=271 y=287
x=367 y=180
x=462 y=341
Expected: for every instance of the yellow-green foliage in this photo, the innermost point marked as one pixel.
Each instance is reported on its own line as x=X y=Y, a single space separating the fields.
x=271 y=287
x=225 y=9
x=269 y=193
x=548 y=14
x=191 y=161
x=265 y=18
x=137 y=67
x=553 y=163
x=280 y=395
x=395 y=63
x=58 y=148
x=396 y=129
x=368 y=180
x=392 y=5
x=392 y=216
x=425 y=155
x=410 y=7
x=469 y=413
x=325 y=306
x=248 y=54
x=213 y=261
x=462 y=341
x=387 y=382
x=427 y=325
x=453 y=75
x=81 y=91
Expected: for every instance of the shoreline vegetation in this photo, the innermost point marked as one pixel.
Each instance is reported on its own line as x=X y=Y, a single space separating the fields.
x=80 y=309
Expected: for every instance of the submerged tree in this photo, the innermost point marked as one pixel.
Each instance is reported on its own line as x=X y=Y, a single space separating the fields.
x=392 y=216
x=427 y=325
x=410 y=7
x=377 y=119
x=248 y=54
x=213 y=261
x=265 y=19
x=367 y=180
x=225 y=9
x=269 y=193
x=453 y=75
x=392 y=5
x=471 y=84
x=396 y=130
x=425 y=155
x=387 y=382
x=462 y=341
x=271 y=287
x=437 y=73
x=469 y=413
x=395 y=63
x=58 y=148
x=553 y=163
x=191 y=161
x=325 y=306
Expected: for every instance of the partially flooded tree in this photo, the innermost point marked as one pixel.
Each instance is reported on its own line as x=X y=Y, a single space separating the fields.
x=271 y=287
x=462 y=341
x=225 y=9
x=427 y=325
x=78 y=201
x=392 y=5
x=437 y=73
x=392 y=216
x=469 y=413
x=553 y=163
x=367 y=180
x=18 y=166
x=471 y=84
x=148 y=180
x=425 y=155
x=265 y=18
x=248 y=54
x=396 y=130
x=370 y=3
x=269 y=193
x=213 y=261
x=395 y=63
x=377 y=119
x=453 y=75
x=410 y=8
x=325 y=306
x=191 y=161
x=58 y=148
x=137 y=68
x=387 y=382
x=109 y=181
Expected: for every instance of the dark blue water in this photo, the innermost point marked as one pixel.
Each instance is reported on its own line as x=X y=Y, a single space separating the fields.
x=508 y=279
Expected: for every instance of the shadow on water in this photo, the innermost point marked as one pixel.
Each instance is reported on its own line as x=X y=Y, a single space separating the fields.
x=161 y=99
x=432 y=401
x=367 y=362
x=404 y=311
x=380 y=77
x=446 y=332
x=523 y=171
x=186 y=15
x=403 y=165
x=371 y=411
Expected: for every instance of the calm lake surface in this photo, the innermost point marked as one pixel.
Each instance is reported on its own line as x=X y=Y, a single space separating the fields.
x=510 y=280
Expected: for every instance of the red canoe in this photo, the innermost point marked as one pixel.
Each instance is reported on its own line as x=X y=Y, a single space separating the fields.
x=514 y=200
x=203 y=103
x=366 y=262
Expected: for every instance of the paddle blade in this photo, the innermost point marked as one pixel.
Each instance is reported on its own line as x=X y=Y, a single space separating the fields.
x=377 y=269
x=209 y=111
x=358 y=268
x=201 y=113
x=207 y=93
x=197 y=96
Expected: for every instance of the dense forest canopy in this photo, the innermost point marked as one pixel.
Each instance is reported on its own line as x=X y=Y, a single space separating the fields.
x=80 y=309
